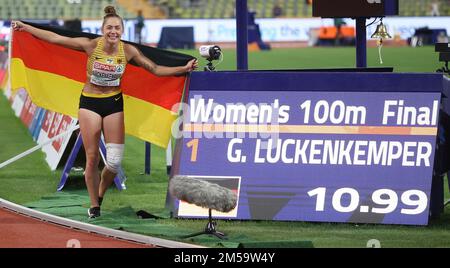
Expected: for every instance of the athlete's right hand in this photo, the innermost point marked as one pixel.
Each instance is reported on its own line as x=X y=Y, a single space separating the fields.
x=18 y=26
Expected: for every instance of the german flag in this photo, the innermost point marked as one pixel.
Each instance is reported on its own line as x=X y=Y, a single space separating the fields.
x=54 y=77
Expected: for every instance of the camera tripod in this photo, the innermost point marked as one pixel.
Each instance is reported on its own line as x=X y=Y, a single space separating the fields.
x=444 y=69
x=210 y=229
x=209 y=67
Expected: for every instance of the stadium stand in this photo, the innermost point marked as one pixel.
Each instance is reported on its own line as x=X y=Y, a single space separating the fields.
x=154 y=9
x=148 y=10
x=58 y=9
x=410 y=8
x=225 y=8
x=263 y=8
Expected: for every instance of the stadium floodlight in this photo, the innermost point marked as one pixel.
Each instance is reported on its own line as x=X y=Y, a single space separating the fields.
x=211 y=53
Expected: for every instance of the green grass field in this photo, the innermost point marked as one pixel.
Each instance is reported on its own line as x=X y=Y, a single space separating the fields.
x=29 y=179
x=403 y=59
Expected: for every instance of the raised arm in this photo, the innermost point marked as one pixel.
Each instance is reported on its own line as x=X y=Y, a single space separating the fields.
x=78 y=43
x=136 y=55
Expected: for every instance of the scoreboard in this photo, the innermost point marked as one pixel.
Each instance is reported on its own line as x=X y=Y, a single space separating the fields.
x=318 y=146
x=354 y=8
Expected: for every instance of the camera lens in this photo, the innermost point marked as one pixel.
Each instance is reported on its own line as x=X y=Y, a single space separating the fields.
x=210 y=52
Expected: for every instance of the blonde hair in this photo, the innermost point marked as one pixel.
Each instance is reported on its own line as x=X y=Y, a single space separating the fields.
x=110 y=12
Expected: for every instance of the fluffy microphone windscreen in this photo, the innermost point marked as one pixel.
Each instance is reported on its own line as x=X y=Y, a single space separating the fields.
x=203 y=193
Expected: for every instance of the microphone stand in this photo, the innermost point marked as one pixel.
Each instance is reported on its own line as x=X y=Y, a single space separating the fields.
x=210 y=229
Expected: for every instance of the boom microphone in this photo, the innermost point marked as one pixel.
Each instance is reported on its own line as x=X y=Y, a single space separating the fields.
x=202 y=193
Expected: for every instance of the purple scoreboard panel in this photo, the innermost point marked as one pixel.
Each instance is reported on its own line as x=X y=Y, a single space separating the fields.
x=324 y=147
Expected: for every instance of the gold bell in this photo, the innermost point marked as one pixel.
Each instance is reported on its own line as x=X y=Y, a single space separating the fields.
x=381 y=32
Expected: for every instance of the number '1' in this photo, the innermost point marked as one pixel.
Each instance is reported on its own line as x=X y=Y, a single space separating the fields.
x=194 y=144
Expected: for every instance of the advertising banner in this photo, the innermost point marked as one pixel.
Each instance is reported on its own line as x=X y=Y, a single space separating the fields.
x=44 y=125
x=272 y=30
x=53 y=124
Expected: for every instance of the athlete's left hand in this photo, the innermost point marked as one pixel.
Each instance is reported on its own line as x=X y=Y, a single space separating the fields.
x=191 y=65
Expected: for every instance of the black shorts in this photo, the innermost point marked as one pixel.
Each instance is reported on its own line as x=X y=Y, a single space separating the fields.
x=102 y=106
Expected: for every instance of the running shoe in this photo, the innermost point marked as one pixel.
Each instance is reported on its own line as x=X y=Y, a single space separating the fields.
x=94 y=212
